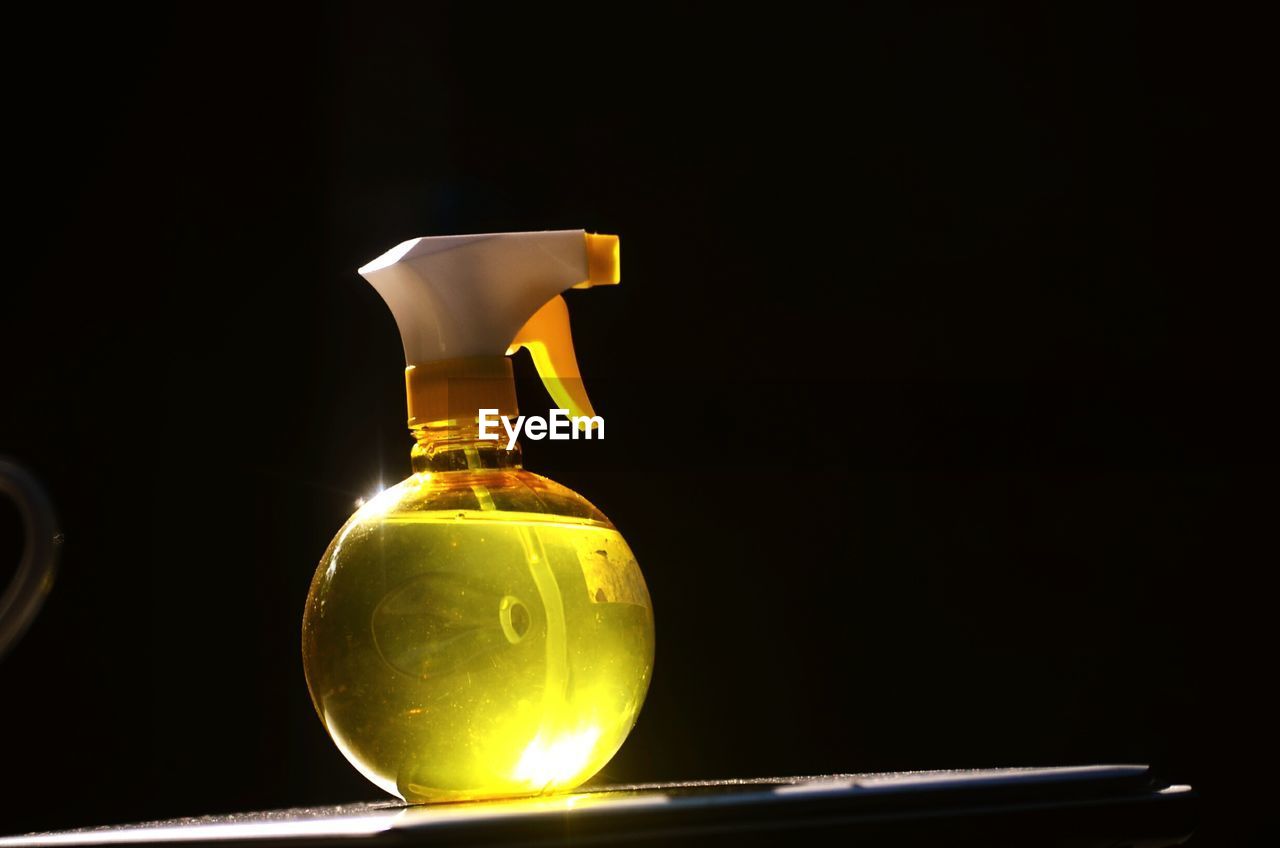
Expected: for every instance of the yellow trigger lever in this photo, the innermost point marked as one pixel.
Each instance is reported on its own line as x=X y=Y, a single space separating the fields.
x=549 y=341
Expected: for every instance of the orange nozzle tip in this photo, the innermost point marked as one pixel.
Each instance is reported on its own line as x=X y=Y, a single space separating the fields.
x=603 y=264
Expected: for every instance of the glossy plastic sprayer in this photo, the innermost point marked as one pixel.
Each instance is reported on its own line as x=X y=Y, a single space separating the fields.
x=477 y=630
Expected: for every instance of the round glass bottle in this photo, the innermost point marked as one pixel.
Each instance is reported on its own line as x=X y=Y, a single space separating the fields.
x=477 y=630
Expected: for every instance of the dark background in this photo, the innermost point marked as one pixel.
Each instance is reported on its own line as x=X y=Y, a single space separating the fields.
x=936 y=406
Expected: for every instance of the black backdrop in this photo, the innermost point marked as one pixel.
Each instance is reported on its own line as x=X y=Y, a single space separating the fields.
x=934 y=417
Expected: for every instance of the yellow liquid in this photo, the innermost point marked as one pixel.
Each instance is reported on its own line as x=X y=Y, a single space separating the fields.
x=476 y=652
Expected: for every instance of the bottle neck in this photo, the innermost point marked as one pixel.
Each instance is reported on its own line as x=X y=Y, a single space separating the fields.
x=444 y=400
x=458 y=447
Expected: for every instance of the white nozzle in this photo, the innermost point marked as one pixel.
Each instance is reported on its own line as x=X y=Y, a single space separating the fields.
x=460 y=296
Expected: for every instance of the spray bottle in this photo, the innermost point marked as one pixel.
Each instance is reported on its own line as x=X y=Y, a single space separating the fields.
x=477 y=630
